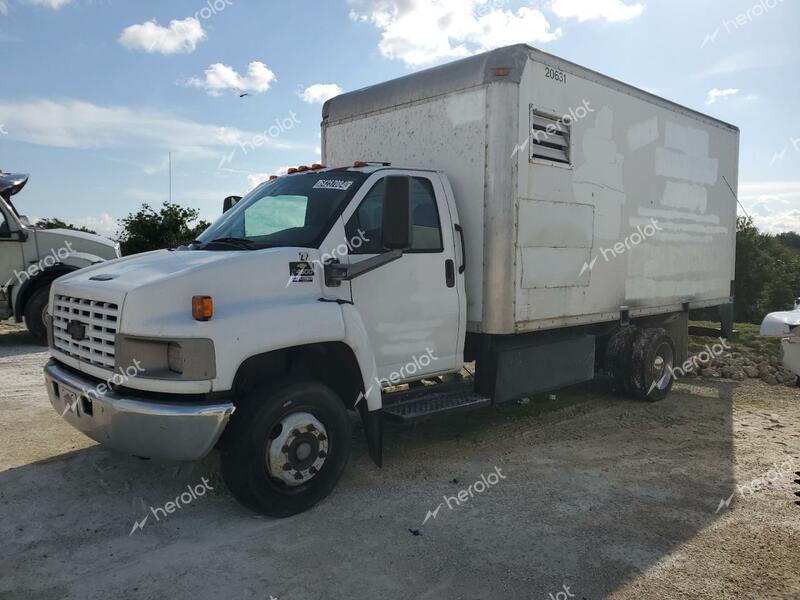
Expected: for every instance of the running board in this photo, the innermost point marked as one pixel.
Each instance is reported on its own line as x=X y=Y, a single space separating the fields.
x=417 y=405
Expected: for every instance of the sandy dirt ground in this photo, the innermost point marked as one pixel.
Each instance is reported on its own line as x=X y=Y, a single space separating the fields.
x=600 y=497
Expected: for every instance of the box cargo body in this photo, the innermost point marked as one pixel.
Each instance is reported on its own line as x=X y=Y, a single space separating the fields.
x=581 y=197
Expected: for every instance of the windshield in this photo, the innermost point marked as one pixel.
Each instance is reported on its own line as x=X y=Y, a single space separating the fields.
x=290 y=211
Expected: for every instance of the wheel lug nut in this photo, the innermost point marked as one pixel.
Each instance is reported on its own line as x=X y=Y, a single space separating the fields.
x=285 y=449
x=311 y=428
x=287 y=467
x=298 y=475
x=322 y=454
x=321 y=437
x=312 y=470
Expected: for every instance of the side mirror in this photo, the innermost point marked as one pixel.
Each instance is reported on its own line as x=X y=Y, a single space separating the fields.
x=230 y=202
x=397 y=214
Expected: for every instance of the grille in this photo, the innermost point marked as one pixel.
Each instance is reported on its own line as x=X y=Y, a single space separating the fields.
x=100 y=319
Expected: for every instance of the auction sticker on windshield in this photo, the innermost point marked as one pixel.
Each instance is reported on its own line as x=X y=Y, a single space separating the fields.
x=333 y=184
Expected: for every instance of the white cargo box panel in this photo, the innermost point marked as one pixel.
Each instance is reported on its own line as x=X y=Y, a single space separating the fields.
x=580 y=196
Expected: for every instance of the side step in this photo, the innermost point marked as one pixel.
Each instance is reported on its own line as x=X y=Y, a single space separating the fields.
x=417 y=404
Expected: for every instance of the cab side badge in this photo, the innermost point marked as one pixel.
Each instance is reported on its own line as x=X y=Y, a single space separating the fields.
x=301 y=272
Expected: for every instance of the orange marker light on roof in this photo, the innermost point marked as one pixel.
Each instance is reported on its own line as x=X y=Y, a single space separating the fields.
x=302 y=169
x=291 y=171
x=360 y=163
x=273 y=177
x=316 y=166
x=202 y=308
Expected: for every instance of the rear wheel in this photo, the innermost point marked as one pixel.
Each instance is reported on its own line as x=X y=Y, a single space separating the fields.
x=287 y=448
x=36 y=314
x=652 y=364
x=618 y=358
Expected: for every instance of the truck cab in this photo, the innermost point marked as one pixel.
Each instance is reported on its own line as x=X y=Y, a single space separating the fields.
x=303 y=301
x=31 y=258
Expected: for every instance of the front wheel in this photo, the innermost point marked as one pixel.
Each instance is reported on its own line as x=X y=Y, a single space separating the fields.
x=36 y=314
x=287 y=448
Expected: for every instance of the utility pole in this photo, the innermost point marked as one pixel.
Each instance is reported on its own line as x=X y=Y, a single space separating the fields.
x=170 y=177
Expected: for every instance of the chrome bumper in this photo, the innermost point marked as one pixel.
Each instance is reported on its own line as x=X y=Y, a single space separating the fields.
x=135 y=425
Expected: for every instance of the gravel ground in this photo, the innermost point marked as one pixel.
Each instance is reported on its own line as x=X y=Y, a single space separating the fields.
x=600 y=497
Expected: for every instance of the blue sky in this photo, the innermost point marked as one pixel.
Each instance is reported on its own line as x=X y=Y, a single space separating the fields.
x=96 y=93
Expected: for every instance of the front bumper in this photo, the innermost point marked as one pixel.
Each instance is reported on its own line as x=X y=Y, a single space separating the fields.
x=174 y=431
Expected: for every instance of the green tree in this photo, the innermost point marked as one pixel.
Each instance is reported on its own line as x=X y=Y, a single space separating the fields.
x=54 y=223
x=171 y=226
x=767 y=272
x=789 y=239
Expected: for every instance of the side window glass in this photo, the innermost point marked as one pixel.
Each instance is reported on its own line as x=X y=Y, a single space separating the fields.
x=367 y=222
x=426 y=233
x=5 y=230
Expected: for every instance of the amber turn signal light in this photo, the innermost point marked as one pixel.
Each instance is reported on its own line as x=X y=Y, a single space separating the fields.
x=202 y=308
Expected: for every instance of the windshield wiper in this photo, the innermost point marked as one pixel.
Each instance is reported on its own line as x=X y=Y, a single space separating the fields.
x=240 y=243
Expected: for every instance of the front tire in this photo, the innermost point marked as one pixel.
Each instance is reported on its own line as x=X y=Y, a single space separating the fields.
x=36 y=314
x=287 y=448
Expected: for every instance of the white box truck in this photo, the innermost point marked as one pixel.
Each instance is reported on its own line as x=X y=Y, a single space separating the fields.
x=511 y=209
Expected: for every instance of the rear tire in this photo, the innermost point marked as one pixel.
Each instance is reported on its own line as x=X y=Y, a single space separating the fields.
x=286 y=448
x=618 y=358
x=36 y=314
x=653 y=360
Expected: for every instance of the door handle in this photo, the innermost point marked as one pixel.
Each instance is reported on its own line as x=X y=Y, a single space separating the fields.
x=463 y=266
x=450 y=272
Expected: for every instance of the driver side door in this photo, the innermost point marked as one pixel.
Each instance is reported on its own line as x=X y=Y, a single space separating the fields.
x=411 y=306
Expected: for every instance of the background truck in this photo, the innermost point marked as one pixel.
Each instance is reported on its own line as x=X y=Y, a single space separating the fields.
x=540 y=220
x=31 y=258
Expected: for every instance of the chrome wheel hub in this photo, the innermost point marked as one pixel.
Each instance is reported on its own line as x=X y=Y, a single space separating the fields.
x=297 y=449
x=662 y=366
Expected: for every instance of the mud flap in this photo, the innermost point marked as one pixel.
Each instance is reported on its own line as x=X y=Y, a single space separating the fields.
x=373 y=429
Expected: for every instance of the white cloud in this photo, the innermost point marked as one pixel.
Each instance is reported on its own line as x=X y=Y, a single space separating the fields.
x=104 y=225
x=256 y=179
x=3 y=8
x=55 y=4
x=320 y=92
x=589 y=10
x=179 y=37
x=219 y=77
x=82 y=125
x=774 y=205
x=716 y=94
x=421 y=32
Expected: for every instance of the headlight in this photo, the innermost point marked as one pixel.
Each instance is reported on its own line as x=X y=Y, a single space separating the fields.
x=190 y=359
